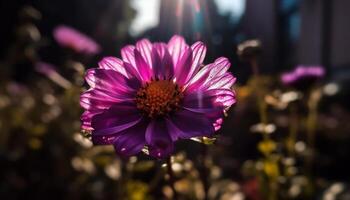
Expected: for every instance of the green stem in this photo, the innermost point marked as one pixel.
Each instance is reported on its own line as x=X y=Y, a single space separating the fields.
x=293 y=129
x=311 y=126
x=312 y=104
x=262 y=106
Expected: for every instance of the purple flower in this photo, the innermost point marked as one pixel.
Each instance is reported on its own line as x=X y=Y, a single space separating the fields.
x=155 y=95
x=50 y=71
x=302 y=76
x=79 y=42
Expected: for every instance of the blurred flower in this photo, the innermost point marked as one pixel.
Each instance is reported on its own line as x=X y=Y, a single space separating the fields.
x=113 y=170
x=137 y=190
x=288 y=97
x=83 y=164
x=331 y=89
x=271 y=168
x=185 y=186
x=300 y=146
x=79 y=42
x=157 y=94
x=303 y=76
x=281 y=100
x=79 y=138
x=30 y=13
x=225 y=190
x=16 y=89
x=28 y=32
x=263 y=128
x=249 y=49
x=243 y=92
x=288 y=161
x=267 y=146
x=333 y=191
x=50 y=71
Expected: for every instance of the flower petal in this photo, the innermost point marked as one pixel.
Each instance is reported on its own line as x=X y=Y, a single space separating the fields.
x=110 y=80
x=102 y=99
x=86 y=118
x=144 y=46
x=143 y=68
x=131 y=141
x=215 y=97
x=113 y=63
x=162 y=62
x=177 y=46
x=191 y=124
x=108 y=87
x=204 y=102
x=108 y=138
x=133 y=72
x=128 y=56
x=158 y=139
x=217 y=124
x=224 y=82
x=197 y=82
x=199 y=51
x=219 y=67
x=210 y=103
x=104 y=139
x=204 y=78
x=115 y=119
x=183 y=67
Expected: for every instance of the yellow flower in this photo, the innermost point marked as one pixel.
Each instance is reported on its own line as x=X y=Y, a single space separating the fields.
x=271 y=168
x=137 y=190
x=267 y=146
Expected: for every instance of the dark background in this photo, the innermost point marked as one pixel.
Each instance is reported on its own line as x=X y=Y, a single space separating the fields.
x=311 y=32
x=292 y=31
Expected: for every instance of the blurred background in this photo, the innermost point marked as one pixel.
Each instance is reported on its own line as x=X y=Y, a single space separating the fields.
x=44 y=155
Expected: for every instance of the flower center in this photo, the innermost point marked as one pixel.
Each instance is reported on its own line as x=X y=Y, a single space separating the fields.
x=158 y=98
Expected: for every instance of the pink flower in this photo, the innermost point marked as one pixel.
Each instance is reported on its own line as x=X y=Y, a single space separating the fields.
x=79 y=42
x=303 y=76
x=155 y=95
x=50 y=71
